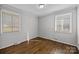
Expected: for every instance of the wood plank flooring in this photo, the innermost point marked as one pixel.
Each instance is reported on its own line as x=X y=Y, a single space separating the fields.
x=40 y=46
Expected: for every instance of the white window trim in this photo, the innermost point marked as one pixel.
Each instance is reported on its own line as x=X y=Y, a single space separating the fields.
x=70 y=13
x=11 y=12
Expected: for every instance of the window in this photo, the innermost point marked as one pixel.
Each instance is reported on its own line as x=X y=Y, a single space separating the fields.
x=63 y=23
x=10 y=22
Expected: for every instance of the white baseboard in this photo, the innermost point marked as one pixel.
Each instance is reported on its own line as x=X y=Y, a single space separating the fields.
x=58 y=41
x=14 y=43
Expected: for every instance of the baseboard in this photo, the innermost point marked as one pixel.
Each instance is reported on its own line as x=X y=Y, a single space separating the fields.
x=57 y=41
x=7 y=46
x=60 y=42
x=41 y=38
x=15 y=43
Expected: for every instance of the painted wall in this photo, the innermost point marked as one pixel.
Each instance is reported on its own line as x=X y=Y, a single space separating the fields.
x=46 y=28
x=28 y=23
x=78 y=26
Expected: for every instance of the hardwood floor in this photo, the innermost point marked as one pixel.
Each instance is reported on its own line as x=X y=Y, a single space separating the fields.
x=40 y=46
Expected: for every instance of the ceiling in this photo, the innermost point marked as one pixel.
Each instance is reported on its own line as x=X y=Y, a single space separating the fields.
x=44 y=11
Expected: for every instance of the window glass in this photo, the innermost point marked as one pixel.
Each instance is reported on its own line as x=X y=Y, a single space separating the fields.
x=63 y=23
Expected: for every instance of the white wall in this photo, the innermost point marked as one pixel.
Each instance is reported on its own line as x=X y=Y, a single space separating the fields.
x=78 y=26
x=28 y=24
x=46 y=28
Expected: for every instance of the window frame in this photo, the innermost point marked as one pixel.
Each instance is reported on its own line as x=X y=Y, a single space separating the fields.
x=70 y=23
x=10 y=13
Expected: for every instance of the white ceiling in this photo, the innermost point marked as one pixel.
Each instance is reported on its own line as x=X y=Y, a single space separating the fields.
x=41 y=12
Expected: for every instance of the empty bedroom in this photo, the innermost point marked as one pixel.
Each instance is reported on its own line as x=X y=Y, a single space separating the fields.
x=39 y=28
